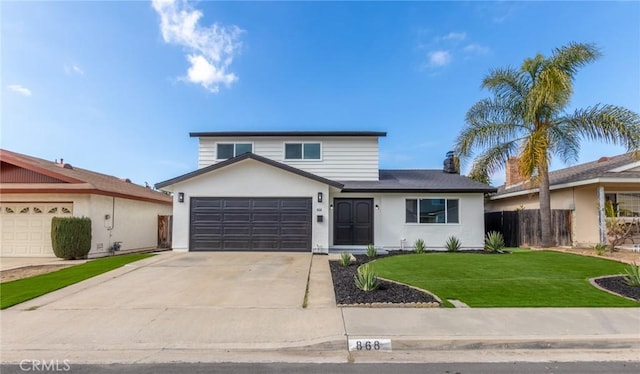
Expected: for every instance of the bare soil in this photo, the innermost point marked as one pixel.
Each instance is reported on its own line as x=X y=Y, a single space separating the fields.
x=29 y=271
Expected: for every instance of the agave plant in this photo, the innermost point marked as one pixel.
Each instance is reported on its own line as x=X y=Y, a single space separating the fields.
x=419 y=246
x=494 y=242
x=600 y=249
x=371 y=251
x=366 y=279
x=633 y=275
x=345 y=259
x=453 y=244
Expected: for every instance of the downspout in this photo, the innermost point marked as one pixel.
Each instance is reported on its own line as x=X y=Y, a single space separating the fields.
x=601 y=215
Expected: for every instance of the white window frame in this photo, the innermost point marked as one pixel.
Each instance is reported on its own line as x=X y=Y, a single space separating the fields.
x=234 y=149
x=284 y=151
x=617 y=193
x=446 y=214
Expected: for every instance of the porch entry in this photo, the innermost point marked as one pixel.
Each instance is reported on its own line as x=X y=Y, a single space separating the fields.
x=353 y=221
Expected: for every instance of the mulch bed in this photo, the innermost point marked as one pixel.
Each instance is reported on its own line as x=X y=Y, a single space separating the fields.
x=617 y=285
x=389 y=293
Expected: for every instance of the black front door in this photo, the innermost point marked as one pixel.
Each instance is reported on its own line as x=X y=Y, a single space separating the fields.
x=353 y=221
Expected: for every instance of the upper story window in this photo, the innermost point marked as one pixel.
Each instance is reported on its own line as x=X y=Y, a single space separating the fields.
x=432 y=211
x=230 y=150
x=302 y=151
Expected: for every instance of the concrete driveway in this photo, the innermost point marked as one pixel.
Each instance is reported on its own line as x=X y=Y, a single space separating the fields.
x=172 y=302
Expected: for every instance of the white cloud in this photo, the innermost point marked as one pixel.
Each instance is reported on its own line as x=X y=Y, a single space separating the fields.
x=19 y=89
x=210 y=50
x=476 y=48
x=454 y=36
x=439 y=58
x=73 y=69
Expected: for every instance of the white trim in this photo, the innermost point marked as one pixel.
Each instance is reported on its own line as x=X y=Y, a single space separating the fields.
x=284 y=151
x=418 y=223
x=567 y=185
x=626 y=167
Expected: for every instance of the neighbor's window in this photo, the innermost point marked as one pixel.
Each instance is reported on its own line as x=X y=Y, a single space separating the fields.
x=432 y=211
x=625 y=204
x=230 y=150
x=302 y=151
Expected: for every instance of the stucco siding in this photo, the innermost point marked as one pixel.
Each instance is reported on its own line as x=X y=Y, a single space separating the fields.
x=342 y=158
x=390 y=227
x=249 y=178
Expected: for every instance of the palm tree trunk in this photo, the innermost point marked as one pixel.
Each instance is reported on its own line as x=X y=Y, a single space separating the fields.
x=545 y=208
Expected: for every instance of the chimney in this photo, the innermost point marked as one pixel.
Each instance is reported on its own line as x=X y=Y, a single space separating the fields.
x=513 y=172
x=451 y=164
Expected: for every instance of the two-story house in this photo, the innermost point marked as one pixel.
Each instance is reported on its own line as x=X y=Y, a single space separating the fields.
x=316 y=191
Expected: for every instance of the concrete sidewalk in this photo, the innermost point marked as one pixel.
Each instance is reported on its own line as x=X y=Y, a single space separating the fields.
x=96 y=329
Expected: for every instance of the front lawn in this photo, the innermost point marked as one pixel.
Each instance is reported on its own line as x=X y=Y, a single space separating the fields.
x=18 y=291
x=520 y=279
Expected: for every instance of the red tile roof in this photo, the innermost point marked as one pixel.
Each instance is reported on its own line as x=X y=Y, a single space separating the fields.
x=76 y=180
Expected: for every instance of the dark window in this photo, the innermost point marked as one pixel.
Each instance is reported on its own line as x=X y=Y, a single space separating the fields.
x=293 y=151
x=230 y=150
x=302 y=151
x=432 y=211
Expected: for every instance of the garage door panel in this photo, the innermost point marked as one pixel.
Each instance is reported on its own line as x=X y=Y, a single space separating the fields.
x=257 y=224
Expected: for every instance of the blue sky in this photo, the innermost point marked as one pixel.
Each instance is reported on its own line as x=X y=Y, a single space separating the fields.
x=116 y=87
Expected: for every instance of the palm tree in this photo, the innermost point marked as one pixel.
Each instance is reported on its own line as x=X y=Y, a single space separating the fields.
x=527 y=118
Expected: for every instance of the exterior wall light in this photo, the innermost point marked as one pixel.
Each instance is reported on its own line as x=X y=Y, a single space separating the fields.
x=181 y=197
x=320 y=197
x=377 y=207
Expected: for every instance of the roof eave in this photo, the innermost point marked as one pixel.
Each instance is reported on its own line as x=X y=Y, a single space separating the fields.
x=566 y=185
x=242 y=157
x=223 y=134
x=418 y=190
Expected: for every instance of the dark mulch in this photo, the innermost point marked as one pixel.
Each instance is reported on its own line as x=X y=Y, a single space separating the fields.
x=388 y=292
x=617 y=285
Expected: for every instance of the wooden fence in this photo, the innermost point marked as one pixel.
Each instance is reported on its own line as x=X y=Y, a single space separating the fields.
x=522 y=227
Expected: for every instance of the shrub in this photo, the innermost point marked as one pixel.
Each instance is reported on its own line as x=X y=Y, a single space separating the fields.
x=418 y=246
x=345 y=259
x=633 y=275
x=453 y=244
x=366 y=279
x=371 y=251
x=600 y=249
x=494 y=242
x=71 y=237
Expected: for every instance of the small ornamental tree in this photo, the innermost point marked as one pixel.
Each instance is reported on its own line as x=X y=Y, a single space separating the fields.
x=71 y=237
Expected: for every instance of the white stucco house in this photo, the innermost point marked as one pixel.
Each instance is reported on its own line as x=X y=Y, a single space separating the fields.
x=33 y=191
x=316 y=191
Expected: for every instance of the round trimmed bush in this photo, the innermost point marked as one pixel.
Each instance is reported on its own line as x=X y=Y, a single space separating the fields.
x=71 y=237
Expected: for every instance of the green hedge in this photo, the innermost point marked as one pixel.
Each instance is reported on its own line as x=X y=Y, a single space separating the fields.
x=71 y=237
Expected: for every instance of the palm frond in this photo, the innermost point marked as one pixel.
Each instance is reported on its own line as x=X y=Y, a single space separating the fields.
x=534 y=154
x=608 y=123
x=573 y=56
x=507 y=83
x=564 y=143
x=495 y=158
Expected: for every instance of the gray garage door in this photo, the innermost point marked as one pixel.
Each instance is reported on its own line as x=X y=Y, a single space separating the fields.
x=250 y=224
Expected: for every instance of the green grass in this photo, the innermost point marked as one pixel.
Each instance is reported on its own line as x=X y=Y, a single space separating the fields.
x=520 y=279
x=18 y=291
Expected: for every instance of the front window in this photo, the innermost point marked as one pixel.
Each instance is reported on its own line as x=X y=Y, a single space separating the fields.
x=432 y=211
x=624 y=204
x=302 y=151
x=230 y=150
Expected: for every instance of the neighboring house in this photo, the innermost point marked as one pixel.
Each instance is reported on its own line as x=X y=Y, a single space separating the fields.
x=316 y=191
x=583 y=189
x=33 y=191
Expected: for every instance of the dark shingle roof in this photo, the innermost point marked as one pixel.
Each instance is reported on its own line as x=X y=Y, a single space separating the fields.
x=417 y=181
x=221 y=134
x=591 y=170
x=78 y=180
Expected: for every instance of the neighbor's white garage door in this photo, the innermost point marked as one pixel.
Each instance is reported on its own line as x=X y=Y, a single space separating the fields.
x=26 y=227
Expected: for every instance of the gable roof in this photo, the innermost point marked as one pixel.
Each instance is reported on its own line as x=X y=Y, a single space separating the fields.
x=71 y=179
x=417 y=181
x=243 y=157
x=605 y=169
x=222 y=134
